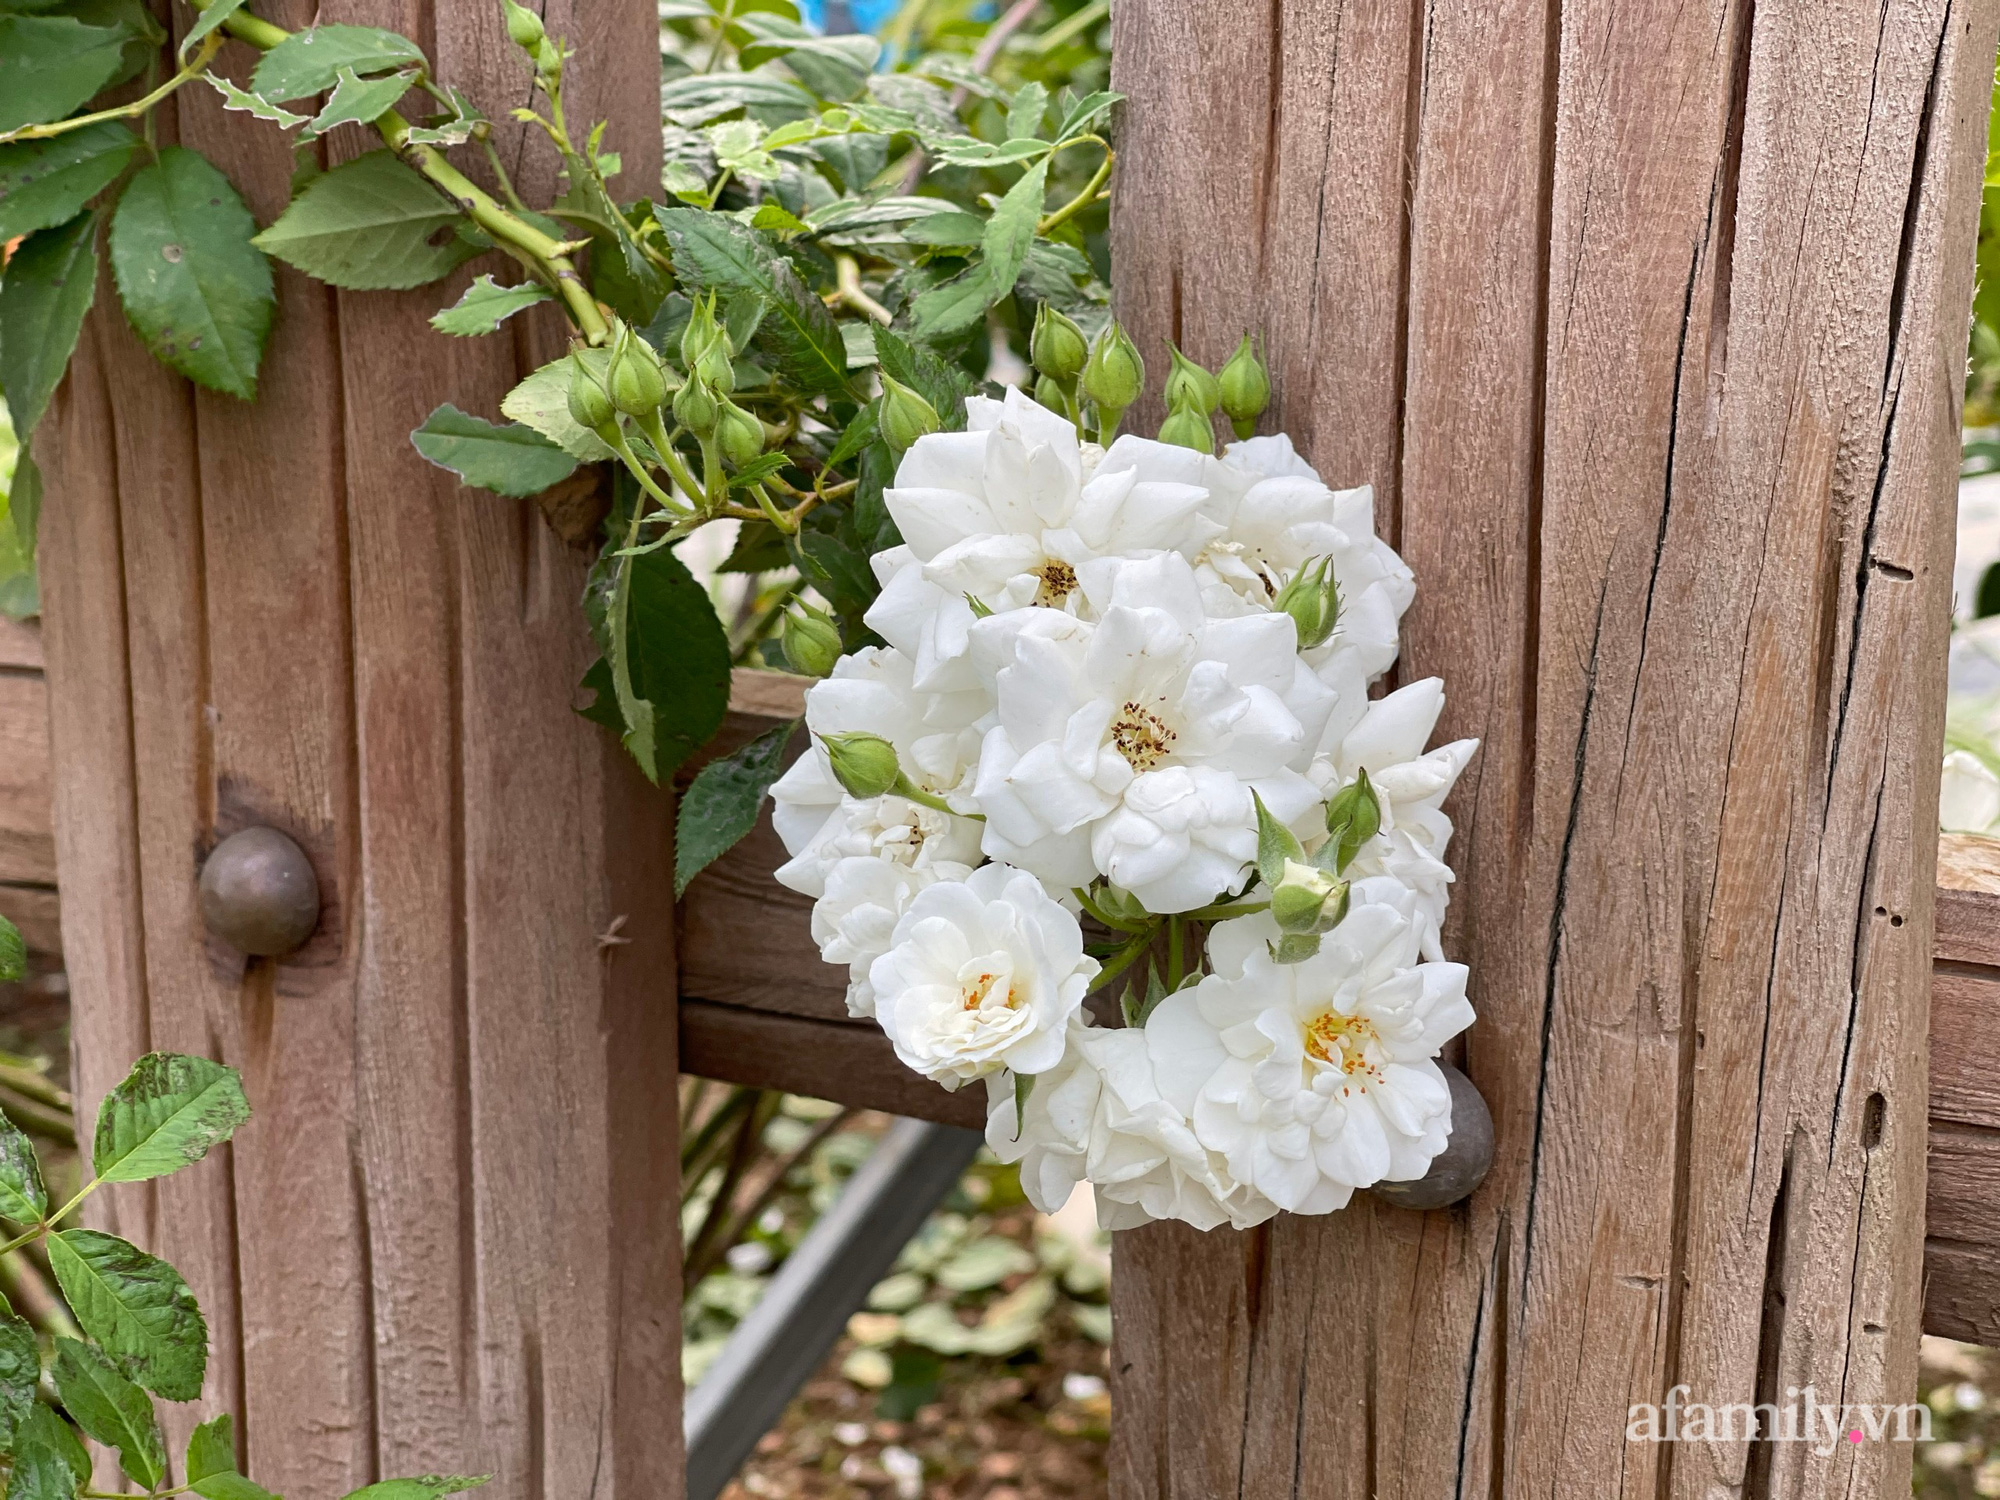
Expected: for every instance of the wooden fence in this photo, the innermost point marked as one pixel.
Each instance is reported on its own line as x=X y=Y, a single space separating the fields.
x=1646 y=321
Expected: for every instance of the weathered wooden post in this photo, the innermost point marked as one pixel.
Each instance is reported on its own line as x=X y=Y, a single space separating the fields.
x=449 y=1240
x=1647 y=322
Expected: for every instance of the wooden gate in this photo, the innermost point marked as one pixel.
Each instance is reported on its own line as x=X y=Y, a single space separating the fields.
x=1646 y=321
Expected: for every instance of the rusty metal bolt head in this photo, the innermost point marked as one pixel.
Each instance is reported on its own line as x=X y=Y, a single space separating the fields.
x=259 y=893
x=1465 y=1160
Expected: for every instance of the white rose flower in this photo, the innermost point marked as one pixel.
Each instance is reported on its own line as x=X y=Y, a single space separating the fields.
x=1410 y=788
x=935 y=739
x=1099 y=1116
x=1156 y=711
x=1317 y=1078
x=983 y=974
x=1008 y=512
x=854 y=922
x=1968 y=796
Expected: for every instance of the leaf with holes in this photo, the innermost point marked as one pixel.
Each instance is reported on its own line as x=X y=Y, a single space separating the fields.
x=47 y=289
x=51 y=64
x=486 y=305
x=311 y=62
x=135 y=1307
x=254 y=105
x=357 y=101
x=167 y=1113
x=722 y=802
x=513 y=460
x=195 y=287
x=48 y=182
x=111 y=1409
x=371 y=224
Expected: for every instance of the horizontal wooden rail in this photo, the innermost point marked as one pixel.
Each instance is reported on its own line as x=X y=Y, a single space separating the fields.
x=760 y=1008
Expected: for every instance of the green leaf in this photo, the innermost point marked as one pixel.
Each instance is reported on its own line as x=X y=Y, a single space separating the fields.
x=1011 y=230
x=1085 y=113
x=50 y=1462
x=13 y=954
x=310 y=62
x=929 y=374
x=542 y=402
x=164 y=1115
x=218 y=11
x=20 y=1376
x=51 y=64
x=429 y=1487
x=43 y=183
x=137 y=1309
x=47 y=288
x=1024 y=115
x=679 y=657
x=357 y=100
x=721 y=803
x=486 y=305
x=370 y=224
x=954 y=228
x=798 y=333
x=143 y=35
x=760 y=548
x=111 y=1409
x=251 y=104
x=211 y=1448
x=967 y=151
x=23 y=1199
x=955 y=305
x=194 y=285
x=513 y=460
x=211 y=1464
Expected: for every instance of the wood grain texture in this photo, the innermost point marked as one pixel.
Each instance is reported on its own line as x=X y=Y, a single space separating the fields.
x=448 y=1240
x=1645 y=331
x=839 y=1060
x=27 y=840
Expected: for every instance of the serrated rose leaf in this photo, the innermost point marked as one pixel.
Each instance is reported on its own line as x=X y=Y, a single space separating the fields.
x=50 y=1461
x=48 y=182
x=47 y=289
x=164 y=1115
x=111 y=1409
x=23 y=1199
x=486 y=305
x=310 y=62
x=20 y=1376
x=137 y=1309
x=371 y=224
x=194 y=286
x=721 y=804
x=513 y=460
x=51 y=64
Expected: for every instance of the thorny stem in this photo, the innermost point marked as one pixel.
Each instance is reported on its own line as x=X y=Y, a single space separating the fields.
x=473 y=200
x=137 y=107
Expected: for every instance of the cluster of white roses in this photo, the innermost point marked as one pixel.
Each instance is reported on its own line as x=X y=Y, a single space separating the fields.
x=1093 y=686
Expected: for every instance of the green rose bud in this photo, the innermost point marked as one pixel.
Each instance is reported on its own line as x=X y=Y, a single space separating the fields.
x=1308 y=902
x=705 y=348
x=635 y=382
x=549 y=59
x=740 y=435
x=1353 y=817
x=811 y=642
x=1246 y=389
x=1312 y=599
x=1121 y=905
x=696 y=408
x=1057 y=345
x=905 y=416
x=1051 y=395
x=1189 y=427
x=524 y=27
x=589 y=403
x=1114 y=375
x=864 y=764
x=1188 y=384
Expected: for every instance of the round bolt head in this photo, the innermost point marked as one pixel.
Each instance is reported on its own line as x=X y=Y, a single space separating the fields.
x=259 y=893
x=1465 y=1160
